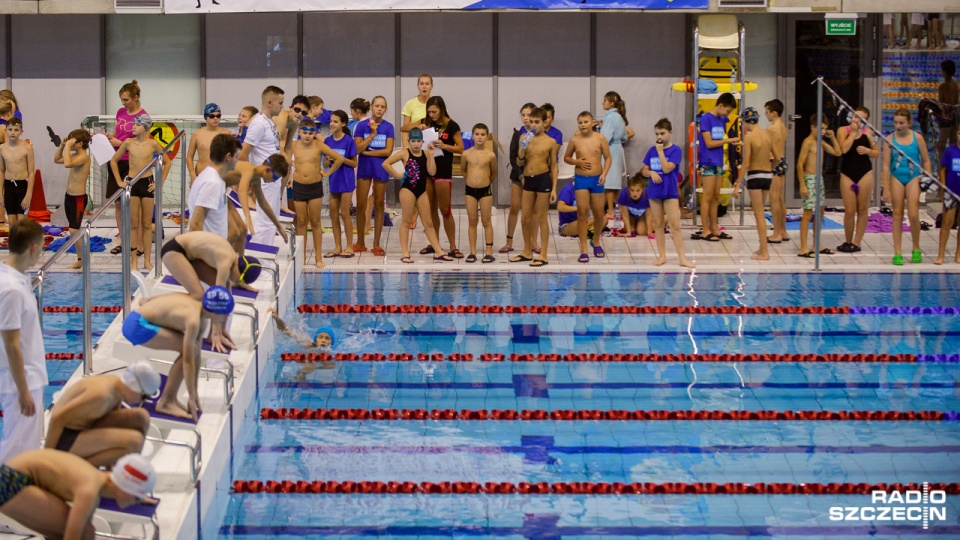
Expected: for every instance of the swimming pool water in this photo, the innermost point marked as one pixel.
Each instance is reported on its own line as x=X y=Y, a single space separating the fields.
x=603 y=451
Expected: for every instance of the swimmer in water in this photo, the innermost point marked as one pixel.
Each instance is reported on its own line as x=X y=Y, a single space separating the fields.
x=322 y=339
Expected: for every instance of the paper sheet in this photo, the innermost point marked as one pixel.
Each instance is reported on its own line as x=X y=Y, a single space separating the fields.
x=430 y=135
x=101 y=149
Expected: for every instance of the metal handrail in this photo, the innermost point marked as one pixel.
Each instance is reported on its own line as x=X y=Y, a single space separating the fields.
x=83 y=236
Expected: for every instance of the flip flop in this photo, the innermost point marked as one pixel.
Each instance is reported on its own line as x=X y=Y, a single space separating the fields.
x=826 y=251
x=520 y=258
x=471 y=258
x=807 y=255
x=331 y=255
x=427 y=250
x=711 y=238
x=443 y=257
x=456 y=254
x=537 y=263
x=725 y=236
x=697 y=236
x=504 y=250
x=116 y=250
x=378 y=252
x=406 y=260
x=583 y=258
x=769 y=241
x=598 y=252
x=347 y=255
x=488 y=259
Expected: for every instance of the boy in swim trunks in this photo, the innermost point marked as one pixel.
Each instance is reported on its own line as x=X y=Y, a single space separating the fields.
x=89 y=421
x=36 y=486
x=173 y=322
x=807 y=175
x=757 y=149
x=479 y=167
x=201 y=138
x=538 y=155
x=72 y=155
x=142 y=148
x=778 y=202
x=589 y=176
x=308 y=174
x=17 y=168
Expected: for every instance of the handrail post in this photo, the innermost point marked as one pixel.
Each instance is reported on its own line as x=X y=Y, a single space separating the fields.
x=696 y=122
x=184 y=174
x=87 y=311
x=818 y=208
x=125 y=252
x=158 y=216
x=40 y=296
x=743 y=92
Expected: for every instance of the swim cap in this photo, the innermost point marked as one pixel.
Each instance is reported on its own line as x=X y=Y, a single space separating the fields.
x=210 y=108
x=141 y=378
x=326 y=330
x=144 y=120
x=218 y=300
x=134 y=474
x=415 y=134
x=249 y=269
x=750 y=115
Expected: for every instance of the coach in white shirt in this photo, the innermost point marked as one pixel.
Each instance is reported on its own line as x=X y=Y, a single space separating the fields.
x=261 y=142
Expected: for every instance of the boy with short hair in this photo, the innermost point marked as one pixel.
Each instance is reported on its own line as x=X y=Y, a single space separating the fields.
x=807 y=175
x=308 y=178
x=948 y=93
x=778 y=201
x=548 y=128
x=201 y=138
x=589 y=176
x=479 y=167
x=757 y=148
x=72 y=155
x=538 y=155
x=17 y=168
x=713 y=136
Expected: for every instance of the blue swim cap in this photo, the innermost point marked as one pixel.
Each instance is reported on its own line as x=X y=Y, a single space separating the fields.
x=415 y=134
x=218 y=300
x=750 y=115
x=326 y=330
x=210 y=108
x=249 y=269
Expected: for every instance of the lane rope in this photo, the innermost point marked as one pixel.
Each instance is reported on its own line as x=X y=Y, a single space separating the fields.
x=618 y=357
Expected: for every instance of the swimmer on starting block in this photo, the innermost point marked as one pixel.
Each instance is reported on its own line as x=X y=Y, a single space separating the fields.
x=322 y=339
x=173 y=322
x=88 y=420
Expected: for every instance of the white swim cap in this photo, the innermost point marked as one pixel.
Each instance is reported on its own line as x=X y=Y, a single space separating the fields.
x=141 y=378
x=134 y=474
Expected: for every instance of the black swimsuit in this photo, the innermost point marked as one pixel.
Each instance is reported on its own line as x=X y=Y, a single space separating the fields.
x=415 y=174
x=855 y=166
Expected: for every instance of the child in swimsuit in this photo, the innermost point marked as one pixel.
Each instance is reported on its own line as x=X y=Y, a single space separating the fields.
x=856 y=178
x=900 y=160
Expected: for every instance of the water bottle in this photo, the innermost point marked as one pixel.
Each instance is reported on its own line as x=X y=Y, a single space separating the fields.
x=733 y=78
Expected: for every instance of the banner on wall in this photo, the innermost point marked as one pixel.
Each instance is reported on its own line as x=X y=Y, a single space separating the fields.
x=263 y=6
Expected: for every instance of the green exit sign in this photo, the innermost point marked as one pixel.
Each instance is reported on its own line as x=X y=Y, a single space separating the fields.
x=841 y=27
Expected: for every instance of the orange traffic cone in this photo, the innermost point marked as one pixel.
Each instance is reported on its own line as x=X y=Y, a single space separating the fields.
x=38 y=203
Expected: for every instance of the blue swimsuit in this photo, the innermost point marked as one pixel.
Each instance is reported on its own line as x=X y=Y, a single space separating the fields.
x=138 y=330
x=900 y=167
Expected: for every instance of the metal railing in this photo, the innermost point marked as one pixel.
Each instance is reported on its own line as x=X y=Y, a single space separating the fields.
x=83 y=238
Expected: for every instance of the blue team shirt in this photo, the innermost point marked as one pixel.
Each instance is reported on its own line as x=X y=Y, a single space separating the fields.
x=668 y=188
x=717 y=127
x=568 y=196
x=369 y=166
x=640 y=204
x=951 y=162
x=344 y=177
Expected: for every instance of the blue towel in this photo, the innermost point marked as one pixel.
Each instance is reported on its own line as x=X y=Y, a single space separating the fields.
x=97 y=244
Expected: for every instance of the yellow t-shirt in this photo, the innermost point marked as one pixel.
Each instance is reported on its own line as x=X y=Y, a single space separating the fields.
x=415 y=110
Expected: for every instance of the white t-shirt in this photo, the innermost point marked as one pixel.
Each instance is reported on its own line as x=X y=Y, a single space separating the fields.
x=20 y=313
x=210 y=192
x=263 y=137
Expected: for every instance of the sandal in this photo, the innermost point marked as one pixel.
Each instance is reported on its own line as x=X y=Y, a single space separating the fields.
x=471 y=258
x=598 y=252
x=427 y=250
x=331 y=255
x=488 y=259
x=769 y=241
x=711 y=238
x=359 y=249
x=456 y=254
x=116 y=250
x=855 y=248
x=725 y=236
x=406 y=260
x=443 y=257
x=139 y=253
x=697 y=235
x=537 y=263
x=807 y=255
x=844 y=247
x=583 y=258
x=506 y=249
x=916 y=257
x=826 y=251
x=378 y=251
x=347 y=254
x=521 y=258
x=898 y=260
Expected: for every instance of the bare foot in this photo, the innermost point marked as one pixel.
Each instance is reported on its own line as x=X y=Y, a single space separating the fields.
x=320 y=264
x=957 y=258
x=938 y=261
x=660 y=262
x=757 y=256
x=173 y=409
x=134 y=264
x=685 y=262
x=147 y=265
x=77 y=265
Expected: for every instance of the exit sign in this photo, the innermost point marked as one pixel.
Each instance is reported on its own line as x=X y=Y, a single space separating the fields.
x=841 y=27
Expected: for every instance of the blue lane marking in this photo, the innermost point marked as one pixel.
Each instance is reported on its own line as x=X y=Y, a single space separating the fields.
x=540 y=529
x=529 y=385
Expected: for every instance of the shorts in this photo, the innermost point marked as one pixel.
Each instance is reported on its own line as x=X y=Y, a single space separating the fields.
x=478 y=192
x=12 y=482
x=67 y=438
x=74 y=206
x=540 y=183
x=810 y=201
x=142 y=188
x=780 y=169
x=306 y=192
x=112 y=186
x=636 y=212
x=13 y=193
x=590 y=183
x=759 y=180
x=711 y=170
x=139 y=330
x=173 y=246
x=887 y=19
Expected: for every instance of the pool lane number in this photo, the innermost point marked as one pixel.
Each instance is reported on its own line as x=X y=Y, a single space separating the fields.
x=841 y=27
